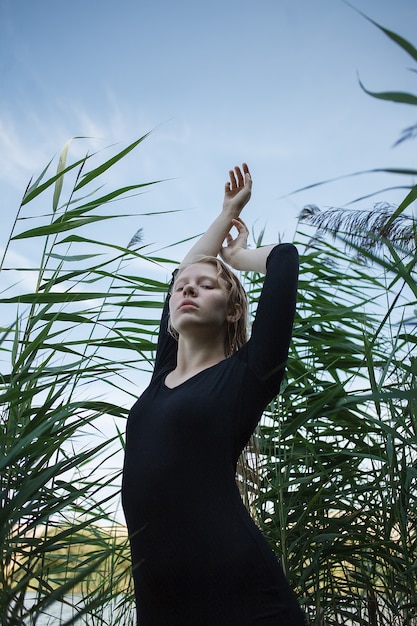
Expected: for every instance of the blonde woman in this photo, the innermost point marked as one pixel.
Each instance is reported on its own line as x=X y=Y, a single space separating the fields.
x=198 y=558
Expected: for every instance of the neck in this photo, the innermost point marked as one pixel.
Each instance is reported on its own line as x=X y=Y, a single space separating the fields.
x=195 y=355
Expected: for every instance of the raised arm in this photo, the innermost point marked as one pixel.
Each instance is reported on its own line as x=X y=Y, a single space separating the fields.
x=267 y=349
x=236 y=195
x=237 y=255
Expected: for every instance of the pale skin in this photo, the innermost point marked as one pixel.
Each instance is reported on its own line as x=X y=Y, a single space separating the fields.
x=199 y=307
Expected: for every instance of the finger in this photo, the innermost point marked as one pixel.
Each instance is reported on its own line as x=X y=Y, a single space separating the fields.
x=242 y=235
x=245 y=169
x=233 y=182
x=223 y=253
x=239 y=176
x=227 y=240
x=240 y=225
x=248 y=177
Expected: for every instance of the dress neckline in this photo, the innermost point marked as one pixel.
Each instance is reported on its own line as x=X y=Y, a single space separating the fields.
x=187 y=380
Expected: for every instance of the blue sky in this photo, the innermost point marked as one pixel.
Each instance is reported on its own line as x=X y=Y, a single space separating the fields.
x=272 y=82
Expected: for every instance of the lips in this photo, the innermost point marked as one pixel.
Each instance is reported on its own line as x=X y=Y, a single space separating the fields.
x=188 y=304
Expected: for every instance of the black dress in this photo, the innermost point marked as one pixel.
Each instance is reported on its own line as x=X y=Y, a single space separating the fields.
x=198 y=558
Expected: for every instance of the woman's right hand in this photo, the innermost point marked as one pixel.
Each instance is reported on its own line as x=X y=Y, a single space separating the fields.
x=235 y=249
x=238 y=191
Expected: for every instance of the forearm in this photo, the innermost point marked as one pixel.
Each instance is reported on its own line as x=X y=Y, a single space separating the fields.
x=251 y=259
x=237 y=194
x=211 y=241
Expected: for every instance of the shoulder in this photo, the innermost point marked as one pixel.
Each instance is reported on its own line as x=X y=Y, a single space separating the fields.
x=283 y=251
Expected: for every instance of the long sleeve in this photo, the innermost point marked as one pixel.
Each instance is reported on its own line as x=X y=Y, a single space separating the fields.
x=267 y=349
x=166 y=351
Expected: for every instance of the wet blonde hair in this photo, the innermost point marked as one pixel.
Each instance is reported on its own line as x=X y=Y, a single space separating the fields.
x=236 y=332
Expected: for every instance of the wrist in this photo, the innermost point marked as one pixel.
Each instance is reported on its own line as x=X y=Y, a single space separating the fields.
x=232 y=210
x=240 y=262
x=236 y=259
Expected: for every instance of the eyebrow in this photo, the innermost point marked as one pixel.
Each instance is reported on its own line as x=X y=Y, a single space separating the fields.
x=214 y=279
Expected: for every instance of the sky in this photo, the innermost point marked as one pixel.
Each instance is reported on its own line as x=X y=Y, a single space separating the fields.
x=274 y=83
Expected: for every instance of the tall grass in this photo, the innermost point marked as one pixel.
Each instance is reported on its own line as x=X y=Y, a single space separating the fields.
x=339 y=497
x=62 y=382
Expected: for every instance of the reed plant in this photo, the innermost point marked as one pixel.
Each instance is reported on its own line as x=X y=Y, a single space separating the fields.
x=339 y=493
x=68 y=343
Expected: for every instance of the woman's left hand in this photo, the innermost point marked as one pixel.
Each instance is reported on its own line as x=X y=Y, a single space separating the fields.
x=237 y=191
x=234 y=248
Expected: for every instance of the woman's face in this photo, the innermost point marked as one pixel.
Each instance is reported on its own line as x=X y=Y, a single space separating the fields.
x=199 y=300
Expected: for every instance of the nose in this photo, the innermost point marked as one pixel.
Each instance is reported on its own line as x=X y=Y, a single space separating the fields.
x=189 y=289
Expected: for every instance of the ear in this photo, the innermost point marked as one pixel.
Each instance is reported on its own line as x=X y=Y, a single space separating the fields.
x=235 y=313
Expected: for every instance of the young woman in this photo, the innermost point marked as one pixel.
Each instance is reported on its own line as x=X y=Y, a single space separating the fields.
x=198 y=558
